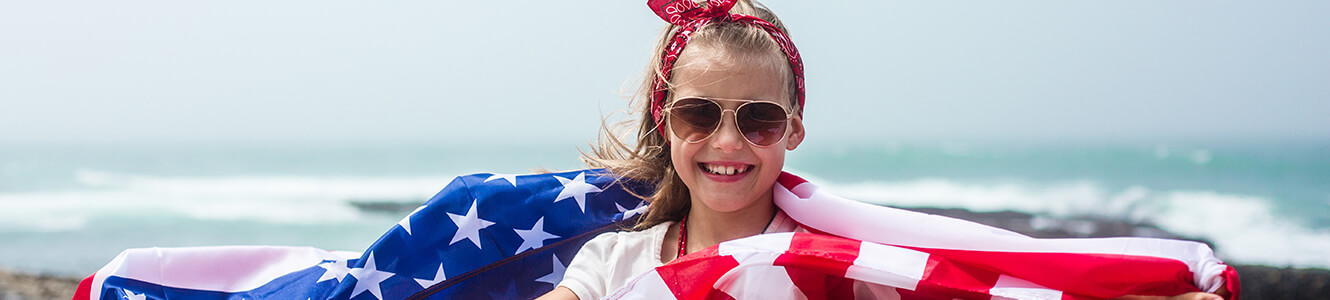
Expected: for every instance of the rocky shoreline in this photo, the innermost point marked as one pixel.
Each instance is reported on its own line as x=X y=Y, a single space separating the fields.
x=24 y=286
x=1258 y=282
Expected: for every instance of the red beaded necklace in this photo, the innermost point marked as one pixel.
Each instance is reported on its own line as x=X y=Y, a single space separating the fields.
x=683 y=234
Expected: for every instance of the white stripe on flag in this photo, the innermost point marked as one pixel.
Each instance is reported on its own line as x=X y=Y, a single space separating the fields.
x=182 y=267
x=757 y=277
x=1008 y=287
x=774 y=242
x=888 y=265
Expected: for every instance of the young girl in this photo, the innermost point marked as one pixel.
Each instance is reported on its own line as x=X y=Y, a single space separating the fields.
x=720 y=105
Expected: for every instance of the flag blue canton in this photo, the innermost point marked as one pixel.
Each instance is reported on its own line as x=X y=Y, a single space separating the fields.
x=490 y=236
x=484 y=236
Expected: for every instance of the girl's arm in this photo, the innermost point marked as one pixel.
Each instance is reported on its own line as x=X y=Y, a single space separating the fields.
x=1187 y=296
x=1218 y=295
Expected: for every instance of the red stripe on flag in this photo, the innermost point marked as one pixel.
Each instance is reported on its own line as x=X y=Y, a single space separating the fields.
x=84 y=290
x=827 y=255
x=820 y=286
x=822 y=264
x=718 y=295
x=1231 y=283
x=789 y=181
x=944 y=279
x=706 y=266
x=1098 y=275
x=715 y=295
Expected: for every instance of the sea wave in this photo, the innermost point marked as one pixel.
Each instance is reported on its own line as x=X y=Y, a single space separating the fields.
x=1244 y=228
x=273 y=199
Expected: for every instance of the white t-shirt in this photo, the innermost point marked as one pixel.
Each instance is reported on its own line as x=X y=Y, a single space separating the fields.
x=611 y=259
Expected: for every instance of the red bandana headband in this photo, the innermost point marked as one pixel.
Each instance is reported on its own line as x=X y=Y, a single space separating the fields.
x=690 y=16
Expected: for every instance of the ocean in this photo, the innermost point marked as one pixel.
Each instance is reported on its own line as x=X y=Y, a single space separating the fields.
x=68 y=208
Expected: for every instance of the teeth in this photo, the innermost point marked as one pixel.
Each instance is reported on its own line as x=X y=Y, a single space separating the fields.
x=725 y=170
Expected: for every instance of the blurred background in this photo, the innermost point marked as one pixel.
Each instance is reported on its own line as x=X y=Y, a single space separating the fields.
x=138 y=123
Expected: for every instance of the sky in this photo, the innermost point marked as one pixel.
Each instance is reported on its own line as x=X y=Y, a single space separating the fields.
x=496 y=71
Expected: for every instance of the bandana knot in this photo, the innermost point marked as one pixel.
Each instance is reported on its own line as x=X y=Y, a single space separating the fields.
x=682 y=12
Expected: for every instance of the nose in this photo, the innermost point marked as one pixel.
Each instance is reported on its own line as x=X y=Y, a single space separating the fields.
x=727 y=138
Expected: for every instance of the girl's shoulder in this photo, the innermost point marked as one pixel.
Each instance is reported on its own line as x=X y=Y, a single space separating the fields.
x=637 y=242
x=611 y=259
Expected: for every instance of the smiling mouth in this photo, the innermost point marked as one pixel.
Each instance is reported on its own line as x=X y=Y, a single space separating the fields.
x=725 y=170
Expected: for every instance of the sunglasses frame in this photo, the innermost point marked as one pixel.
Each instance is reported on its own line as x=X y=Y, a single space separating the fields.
x=789 y=115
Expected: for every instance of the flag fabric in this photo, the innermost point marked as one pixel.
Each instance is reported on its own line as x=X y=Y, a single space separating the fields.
x=873 y=252
x=503 y=236
x=484 y=236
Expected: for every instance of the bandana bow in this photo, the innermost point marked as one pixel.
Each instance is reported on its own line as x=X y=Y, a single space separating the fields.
x=690 y=16
x=680 y=12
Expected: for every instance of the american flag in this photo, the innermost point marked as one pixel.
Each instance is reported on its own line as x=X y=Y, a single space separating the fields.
x=503 y=236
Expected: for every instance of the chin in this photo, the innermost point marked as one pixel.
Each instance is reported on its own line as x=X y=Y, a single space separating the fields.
x=728 y=203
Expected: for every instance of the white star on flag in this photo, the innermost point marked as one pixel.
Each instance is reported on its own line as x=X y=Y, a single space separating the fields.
x=576 y=188
x=511 y=178
x=629 y=213
x=535 y=237
x=554 y=276
x=333 y=270
x=406 y=222
x=438 y=277
x=369 y=278
x=132 y=296
x=469 y=226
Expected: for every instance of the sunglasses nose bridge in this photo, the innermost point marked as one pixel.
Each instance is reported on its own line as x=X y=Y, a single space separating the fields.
x=734 y=113
x=728 y=134
x=733 y=120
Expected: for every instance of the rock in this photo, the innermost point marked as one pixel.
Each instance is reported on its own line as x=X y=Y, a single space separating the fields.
x=23 y=286
x=1263 y=282
x=385 y=206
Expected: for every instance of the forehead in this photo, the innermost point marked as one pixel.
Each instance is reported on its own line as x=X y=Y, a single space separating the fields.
x=703 y=72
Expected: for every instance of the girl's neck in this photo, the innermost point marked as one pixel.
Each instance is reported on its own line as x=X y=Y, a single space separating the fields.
x=707 y=228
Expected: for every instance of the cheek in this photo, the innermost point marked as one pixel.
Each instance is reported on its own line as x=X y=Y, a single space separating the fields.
x=677 y=158
x=774 y=158
x=681 y=157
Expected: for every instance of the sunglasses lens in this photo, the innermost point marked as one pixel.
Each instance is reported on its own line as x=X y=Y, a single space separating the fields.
x=762 y=123
x=694 y=119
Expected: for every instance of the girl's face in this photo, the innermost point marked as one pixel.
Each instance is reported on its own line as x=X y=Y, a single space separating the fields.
x=710 y=74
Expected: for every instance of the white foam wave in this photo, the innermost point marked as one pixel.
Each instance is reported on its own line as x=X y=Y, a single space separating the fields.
x=276 y=199
x=1245 y=229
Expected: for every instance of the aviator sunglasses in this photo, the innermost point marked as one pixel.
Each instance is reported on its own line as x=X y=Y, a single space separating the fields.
x=694 y=119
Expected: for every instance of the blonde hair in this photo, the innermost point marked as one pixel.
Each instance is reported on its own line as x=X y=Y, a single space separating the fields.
x=648 y=160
